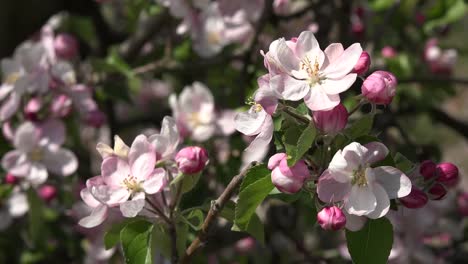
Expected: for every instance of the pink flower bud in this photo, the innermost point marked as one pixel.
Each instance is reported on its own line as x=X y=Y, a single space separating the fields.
x=462 y=202
x=11 y=179
x=331 y=218
x=437 y=192
x=448 y=174
x=363 y=63
x=245 y=245
x=287 y=179
x=358 y=29
x=380 y=87
x=61 y=106
x=331 y=121
x=428 y=169
x=191 y=160
x=32 y=108
x=416 y=198
x=388 y=52
x=66 y=46
x=95 y=118
x=47 y=192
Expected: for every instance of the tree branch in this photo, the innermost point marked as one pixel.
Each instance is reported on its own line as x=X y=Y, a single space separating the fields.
x=215 y=209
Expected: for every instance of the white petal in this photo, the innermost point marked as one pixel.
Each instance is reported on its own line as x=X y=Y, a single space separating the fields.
x=354 y=222
x=292 y=89
x=114 y=170
x=52 y=132
x=250 y=123
x=376 y=151
x=17 y=204
x=345 y=63
x=354 y=154
x=26 y=137
x=395 y=182
x=383 y=202
x=16 y=163
x=37 y=174
x=333 y=52
x=133 y=207
x=98 y=215
x=155 y=182
x=306 y=44
x=330 y=190
x=256 y=149
x=336 y=86
x=120 y=148
x=104 y=150
x=339 y=168
x=286 y=56
x=141 y=157
x=203 y=132
x=361 y=200
x=60 y=161
x=9 y=106
x=319 y=100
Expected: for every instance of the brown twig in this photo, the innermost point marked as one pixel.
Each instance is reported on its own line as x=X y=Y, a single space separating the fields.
x=215 y=209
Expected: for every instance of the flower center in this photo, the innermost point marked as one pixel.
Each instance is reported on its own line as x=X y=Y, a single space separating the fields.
x=213 y=37
x=12 y=78
x=312 y=70
x=194 y=119
x=359 y=177
x=257 y=107
x=35 y=154
x=132 y=184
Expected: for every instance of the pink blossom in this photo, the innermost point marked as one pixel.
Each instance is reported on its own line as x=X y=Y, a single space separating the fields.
x=388 y=52
x=245 y=245
x=32 y=108
x=11 y=179
x=379 y=87
x=415 y=199
x=428 y=169
x=191 y=160
x=331 y=121
x=61 y=105
x=66 y=46
x=47 y=192
x=331 y=218
x=439 y=61
x=365 y=191
x=363 y=63
x=311 y=74
x=437 y=192
x=287 y=179
x=38 y=152
x=166 y=142
x=448 y=174
x=194 y=111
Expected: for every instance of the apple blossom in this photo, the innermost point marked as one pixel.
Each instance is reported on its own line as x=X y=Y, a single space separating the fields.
x=437 y=192
x=448 y=174
x=47 y=192
x=32 y=108
x=415 y=199
x=331 y=121
x=11 y=179
x=388 y=52
x=191 y=160
x=194 y=111
x=60 y=106
x=363 y=63
x=66 y=46
x=311 y=74
x=331 y=218
x=16 y=205
x=287 y=179
x=38 y=152
x=428 y=169
x=365 y=191
x=99 y=211
x=379 y=87
x=166 y=142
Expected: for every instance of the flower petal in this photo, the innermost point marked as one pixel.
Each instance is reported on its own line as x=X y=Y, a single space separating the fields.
x=114 y=170
x=155 y=182
x=290 y=88
x=345 y=63
x=330 y=190
x=336 y=86
x=250 y=123
x=395 y=182
x=9 y=106
x=97 y=217
x=133 y=207
x=104 y=150
x=258 y=148
x=318 y=99
x=120 y=148
x=16 y=163
x=17 y=204
x=383 y=202
x=52 y=132
x=339 y=168
x=306 y=44
x=354 y=222
x=286 y=56
x=26 y=137
x=333 y=52
x=60 y=161
x=37 y=174
x=376 y=151
x=361 y=201
x=141 y=157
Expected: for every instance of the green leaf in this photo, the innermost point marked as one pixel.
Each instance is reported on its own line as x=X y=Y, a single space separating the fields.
x=304 y=143
x=36 y=219
x=256 y=229
x=403 y=163
x=361 y=127
x=455 y=10
x=254 y=174
x=380 y=5
x=188 y=181
x=136 y=242
x=194 y=219
x=371 y=244
x=249 y=199
x=112 y=236
x=162 y=241
x=290 y=139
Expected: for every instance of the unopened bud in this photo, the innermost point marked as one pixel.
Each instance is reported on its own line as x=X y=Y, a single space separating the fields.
x=331 y=218
x=416 y=198
x=191 y=160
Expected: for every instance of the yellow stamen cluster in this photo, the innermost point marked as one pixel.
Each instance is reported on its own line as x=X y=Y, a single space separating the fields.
x=312 y=70
x=359 y=177
x=131 y=184
x=12 y=78
x=35 y=154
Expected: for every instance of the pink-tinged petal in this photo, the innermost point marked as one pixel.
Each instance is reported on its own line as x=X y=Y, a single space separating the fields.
x=141 y=157
x=345 y=63
x=330 y=190
x=285 y=184
x=9 y=106
x=118 y=196
x=332 y=53
x=88 y=198
x=336 y=86
x=267 y=99
x=120 y=148
x=319 y=100
x=250 y=123
x=52 y=132
x=306 y=44
x=60 y=161
x=97 y=217
x=361 y=201
x=203 y=132
x=37 y=173
x=395 y=182
x=354 y=154
x=225 y=122
x=383 y=202
x=26 y=137
x=16 y=163
x=5 y=89
x=293 y=89
x=354 y=222
x=257 y=147
x=286 y=56
x=275 y=160
x=155 y=182
x=339 y=168
x=376 y=152
x=114 y=170
x=133 y=207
